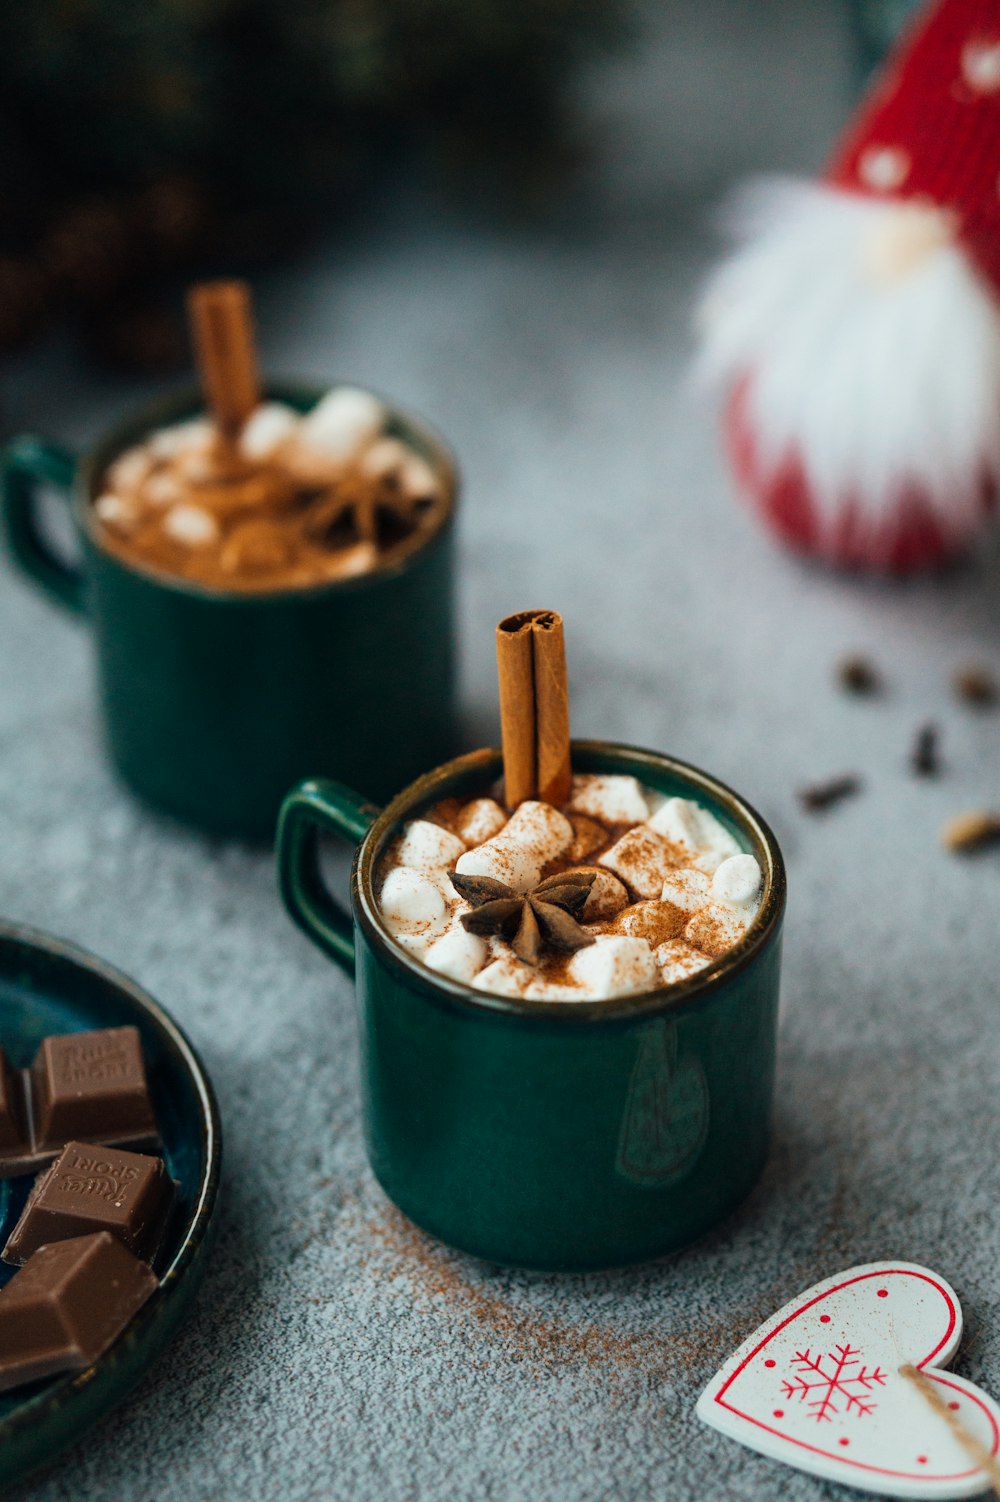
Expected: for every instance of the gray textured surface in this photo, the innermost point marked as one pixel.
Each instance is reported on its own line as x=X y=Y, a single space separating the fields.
x=334 y=1352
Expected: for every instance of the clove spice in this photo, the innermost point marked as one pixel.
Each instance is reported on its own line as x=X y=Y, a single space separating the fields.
x=857 y=675
x=824 y=795
x=925 y=758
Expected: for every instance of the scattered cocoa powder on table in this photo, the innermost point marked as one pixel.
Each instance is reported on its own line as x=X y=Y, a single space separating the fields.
x=544 y=1343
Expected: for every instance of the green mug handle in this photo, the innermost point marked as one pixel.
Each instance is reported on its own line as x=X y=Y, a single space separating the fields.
x=314 y=807
x=29 y=463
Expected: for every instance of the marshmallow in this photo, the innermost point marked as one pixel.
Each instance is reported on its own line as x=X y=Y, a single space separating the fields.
x=642 y=859
x=162 y=490
x=192 y=525
x=715 y=928
x=428 y=847
x=342 y=422
x=410 y=897
x=457 y=954
x=346 y=563
x=689 y=890
x=440 y=877
x=116 y=512
x=417 y=479
x=541 y=829
x=508 y=862
x=197 y=466
x=685 y=823
x=588 y=836
x=167 y=443
x=480 y=820
x=614 y=965
x=543 y=990
x=505 y=976
x=678 y=960
x=737 y=879
x=417 y=940
x=656 y=922
x=267 y=426
x=390 y=459
x=677 y=820
x=606 y=897
x=129 y=471
x=614 y=799
x=384 y=459
x=533 y=836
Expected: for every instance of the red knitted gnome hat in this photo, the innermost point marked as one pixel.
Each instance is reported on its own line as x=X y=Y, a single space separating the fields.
x=930 y=128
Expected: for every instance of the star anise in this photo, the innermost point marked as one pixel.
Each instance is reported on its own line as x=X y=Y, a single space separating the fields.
x=546 y=915
x=364 y=510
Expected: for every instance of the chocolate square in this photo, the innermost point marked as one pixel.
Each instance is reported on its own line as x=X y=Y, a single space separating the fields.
x=91 y=1087
x=67 y=1305
x=95 y=1189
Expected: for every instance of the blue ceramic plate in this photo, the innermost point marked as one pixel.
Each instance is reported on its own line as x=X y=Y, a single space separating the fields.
x=47 y=986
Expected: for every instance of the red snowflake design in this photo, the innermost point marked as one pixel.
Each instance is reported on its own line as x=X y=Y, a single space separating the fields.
x=823 y=1379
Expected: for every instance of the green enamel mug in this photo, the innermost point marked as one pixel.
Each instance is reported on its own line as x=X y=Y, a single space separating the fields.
x=215 y=702
x=539 y=1134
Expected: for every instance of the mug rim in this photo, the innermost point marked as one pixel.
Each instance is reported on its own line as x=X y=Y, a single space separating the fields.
x=696 y=991
x=188 y=399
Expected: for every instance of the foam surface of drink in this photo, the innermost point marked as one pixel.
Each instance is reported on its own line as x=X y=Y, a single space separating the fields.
x=295 y=501
x=671 y=890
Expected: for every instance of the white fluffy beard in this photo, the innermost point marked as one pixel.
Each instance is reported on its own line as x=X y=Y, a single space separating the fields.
x=865 y=353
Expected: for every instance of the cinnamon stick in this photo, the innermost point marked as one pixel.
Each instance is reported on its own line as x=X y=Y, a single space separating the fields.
x=534 y=707
x=555 y=775
x=977 y=1452
x=222 y=330
x=516 y=672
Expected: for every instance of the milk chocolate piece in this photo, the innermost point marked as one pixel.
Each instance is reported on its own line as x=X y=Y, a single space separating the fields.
x=67 y=1305
x=95 y=1189
x=91 y=1087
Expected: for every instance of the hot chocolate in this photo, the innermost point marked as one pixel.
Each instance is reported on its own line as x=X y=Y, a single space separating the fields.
x=255 y=495
x=293 y=501
x=617 y=892
x=582 y=888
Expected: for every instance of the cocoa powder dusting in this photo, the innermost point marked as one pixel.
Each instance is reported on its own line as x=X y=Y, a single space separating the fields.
x=709 y=934
x=656 y=922
x=446 y=813
x=588 y=838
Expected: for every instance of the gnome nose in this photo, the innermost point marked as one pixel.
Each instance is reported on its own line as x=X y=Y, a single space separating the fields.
x=903 y=238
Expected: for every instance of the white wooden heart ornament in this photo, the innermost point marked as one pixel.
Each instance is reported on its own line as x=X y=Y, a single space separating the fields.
x=818 y=1386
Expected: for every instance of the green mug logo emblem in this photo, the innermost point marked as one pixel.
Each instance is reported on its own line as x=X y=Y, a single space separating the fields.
x=666 y=1112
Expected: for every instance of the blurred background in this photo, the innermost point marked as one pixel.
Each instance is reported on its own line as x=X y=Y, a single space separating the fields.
x=145 y=145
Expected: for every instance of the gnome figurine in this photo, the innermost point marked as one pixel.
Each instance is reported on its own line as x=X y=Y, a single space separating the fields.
x=856 y=326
